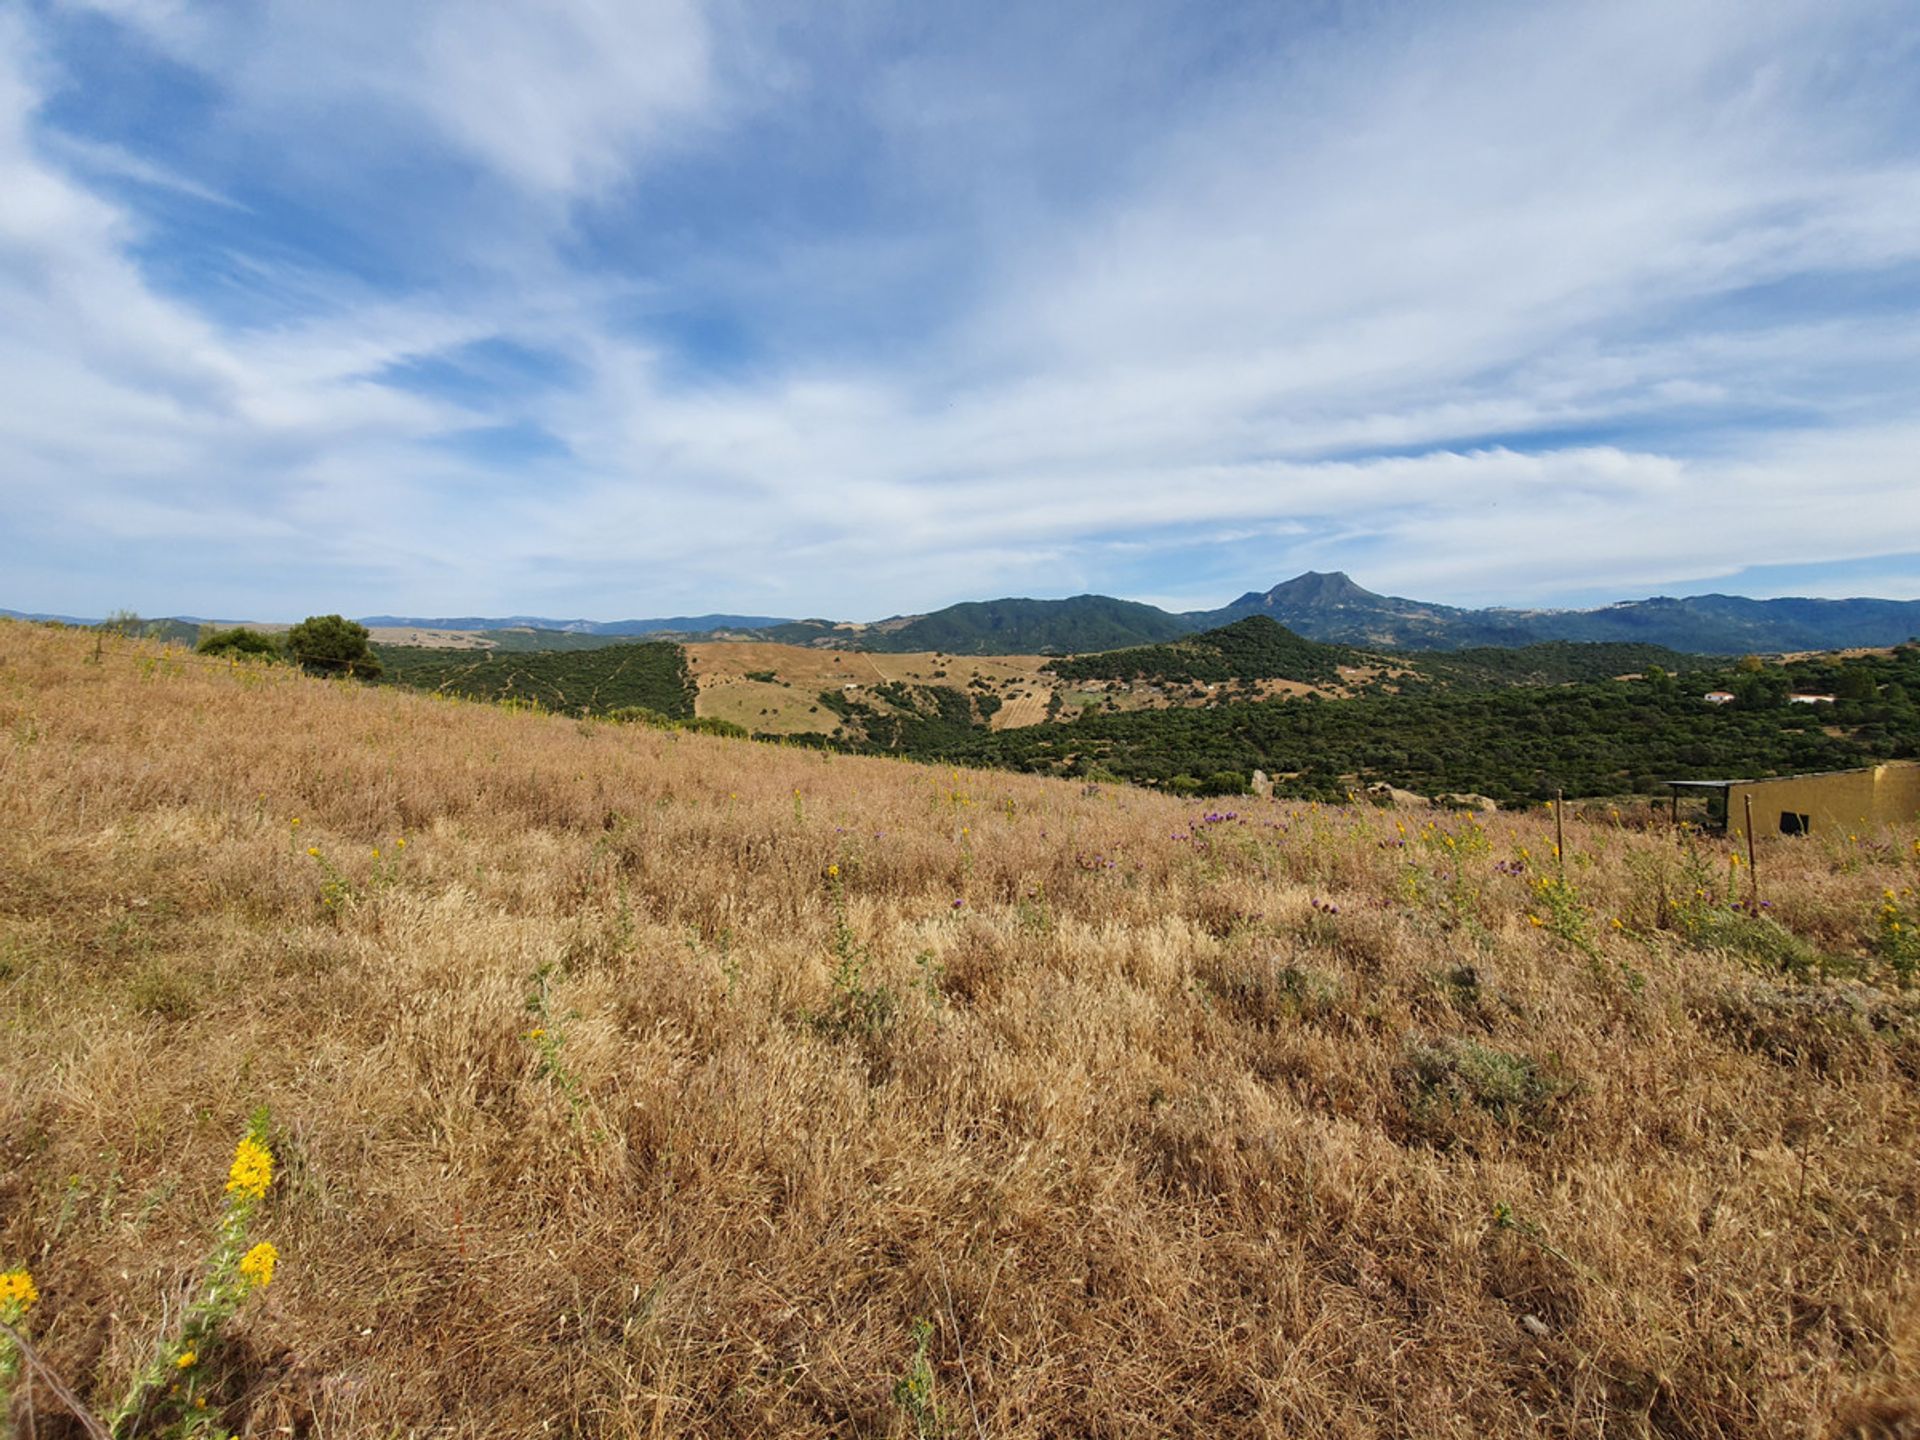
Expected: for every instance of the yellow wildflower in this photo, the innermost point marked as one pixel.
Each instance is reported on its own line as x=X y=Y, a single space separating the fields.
x=400 y=844
x=187 y=1359
x=1535 y=920
x=537 y=1033
x=376 y=854
x=296 y=822
x=314 y=850
x=257 y=1264
x=833 y=872
x=17 y=1289
x=252 y=1170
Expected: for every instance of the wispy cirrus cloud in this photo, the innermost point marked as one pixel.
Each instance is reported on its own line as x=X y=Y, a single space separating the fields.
x=620 y=309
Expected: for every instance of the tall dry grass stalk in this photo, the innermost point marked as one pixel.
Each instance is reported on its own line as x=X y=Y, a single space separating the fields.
x=608 y=1105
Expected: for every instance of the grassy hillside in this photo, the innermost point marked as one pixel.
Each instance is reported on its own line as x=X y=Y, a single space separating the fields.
x=666 y=1085
x=585 y=681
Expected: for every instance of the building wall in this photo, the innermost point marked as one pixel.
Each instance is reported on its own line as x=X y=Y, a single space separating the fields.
x=1848 y=802
x=1900 y=792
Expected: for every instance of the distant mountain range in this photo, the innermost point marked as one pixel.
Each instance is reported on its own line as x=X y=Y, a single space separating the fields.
x=671 y=625
x=1327 y=607
x=1330 y=607
x=58 y=619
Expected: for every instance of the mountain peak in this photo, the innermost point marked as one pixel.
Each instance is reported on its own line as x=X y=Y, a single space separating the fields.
x=1317 y=587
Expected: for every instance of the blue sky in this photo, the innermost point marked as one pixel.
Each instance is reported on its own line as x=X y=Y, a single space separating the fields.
x=614 y=308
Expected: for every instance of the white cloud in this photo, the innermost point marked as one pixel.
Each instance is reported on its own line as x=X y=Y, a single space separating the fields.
x=1406 y=237
x=558 y=97
x=112 y=161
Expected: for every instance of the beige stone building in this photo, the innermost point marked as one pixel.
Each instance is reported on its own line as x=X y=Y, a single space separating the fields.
x=1848 y=801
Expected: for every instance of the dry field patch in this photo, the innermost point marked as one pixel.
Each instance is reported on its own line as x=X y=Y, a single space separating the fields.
x=726 y=671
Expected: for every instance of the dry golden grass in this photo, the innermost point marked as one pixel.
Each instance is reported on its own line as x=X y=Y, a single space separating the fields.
x=1282 y=1129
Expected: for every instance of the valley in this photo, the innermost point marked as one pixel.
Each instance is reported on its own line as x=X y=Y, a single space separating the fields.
x=1203 y=713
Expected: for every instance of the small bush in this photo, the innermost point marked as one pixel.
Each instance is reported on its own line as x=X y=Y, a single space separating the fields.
x=1760 y=940
x=1453 y=1075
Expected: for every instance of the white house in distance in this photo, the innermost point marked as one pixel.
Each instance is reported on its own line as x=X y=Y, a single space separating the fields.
x=1718 y=697
x=1810 y=699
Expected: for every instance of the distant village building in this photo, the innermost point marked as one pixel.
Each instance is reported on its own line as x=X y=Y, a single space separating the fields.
x=1718 y=697
x=1836 y=800
x=1810 y=699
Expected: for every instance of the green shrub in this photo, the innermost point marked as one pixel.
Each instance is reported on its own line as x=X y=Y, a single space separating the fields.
x=333 y=645
x=238 y=641
x=639 y=715
x=698 y=725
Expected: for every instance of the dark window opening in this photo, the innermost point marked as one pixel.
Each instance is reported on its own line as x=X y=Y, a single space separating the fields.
x=1793 y=824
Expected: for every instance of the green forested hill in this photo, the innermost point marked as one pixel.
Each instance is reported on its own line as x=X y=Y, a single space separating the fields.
x=576 y=682
x=1256 y=648
x=1031 y=627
